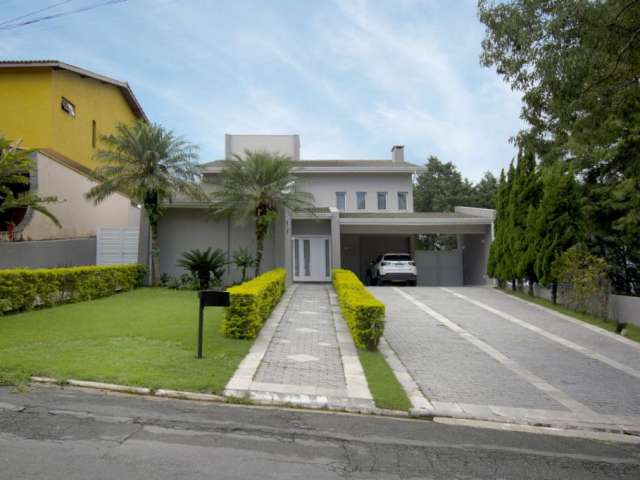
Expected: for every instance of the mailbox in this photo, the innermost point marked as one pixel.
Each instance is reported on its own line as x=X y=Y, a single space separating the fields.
x=209 y=298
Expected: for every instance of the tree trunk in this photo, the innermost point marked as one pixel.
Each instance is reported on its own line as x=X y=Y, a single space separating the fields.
x=514 y=286
x=155 y=255
x=554 y=292
x=259 y=246
x=531 y=287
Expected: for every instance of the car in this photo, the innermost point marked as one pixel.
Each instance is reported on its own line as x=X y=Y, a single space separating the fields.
x=393 y=268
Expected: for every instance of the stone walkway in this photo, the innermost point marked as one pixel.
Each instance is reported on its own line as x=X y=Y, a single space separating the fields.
x=304 y=355
x=478 y=353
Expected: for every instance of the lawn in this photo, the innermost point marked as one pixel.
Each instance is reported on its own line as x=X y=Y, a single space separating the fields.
x=385 y=388
x=632 y=332
x=145 y=337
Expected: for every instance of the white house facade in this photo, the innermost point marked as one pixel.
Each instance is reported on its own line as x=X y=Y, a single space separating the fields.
x=364 y=208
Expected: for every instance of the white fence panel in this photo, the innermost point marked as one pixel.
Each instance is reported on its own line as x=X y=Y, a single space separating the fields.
x=117 y=245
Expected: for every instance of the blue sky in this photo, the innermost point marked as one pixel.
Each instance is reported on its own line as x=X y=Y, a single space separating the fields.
x=351 y=77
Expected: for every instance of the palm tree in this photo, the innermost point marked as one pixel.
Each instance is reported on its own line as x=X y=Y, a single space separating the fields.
x=256 y=188
x=243 y=259
x=15 y=164
x=150 y=165
x=203 y=264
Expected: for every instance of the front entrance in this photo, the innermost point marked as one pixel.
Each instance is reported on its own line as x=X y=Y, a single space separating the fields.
x=311 y=258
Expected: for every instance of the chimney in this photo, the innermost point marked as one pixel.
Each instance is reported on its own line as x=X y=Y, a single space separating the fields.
x=397 y=153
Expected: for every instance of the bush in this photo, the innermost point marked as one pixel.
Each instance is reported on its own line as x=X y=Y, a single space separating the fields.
x=251 y=303
x=583 y=281
x=25 y=288
x=363 y=312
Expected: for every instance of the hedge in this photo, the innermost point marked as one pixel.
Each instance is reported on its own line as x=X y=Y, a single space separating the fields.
x=363 y=312
x=26 y=288
x=251 y=303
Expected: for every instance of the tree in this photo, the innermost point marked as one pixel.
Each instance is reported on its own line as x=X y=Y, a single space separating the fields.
x=15 y=165
x=501 y=263
x=244 y=259
x=484 y=192
x=577 y=64
x=151 y=166
x=203 y=264
x=256 y=188
x=560 y=221
x=523 y=201
x=440 y=188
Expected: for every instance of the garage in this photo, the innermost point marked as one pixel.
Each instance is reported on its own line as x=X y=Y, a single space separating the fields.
x=460 y=260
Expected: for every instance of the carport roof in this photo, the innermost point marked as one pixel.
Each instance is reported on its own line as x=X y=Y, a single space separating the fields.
x=413 y=222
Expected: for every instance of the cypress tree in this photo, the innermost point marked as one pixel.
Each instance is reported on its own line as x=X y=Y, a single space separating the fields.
x=560 y=220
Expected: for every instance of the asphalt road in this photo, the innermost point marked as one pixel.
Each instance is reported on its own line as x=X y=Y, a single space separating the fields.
x=56 y=433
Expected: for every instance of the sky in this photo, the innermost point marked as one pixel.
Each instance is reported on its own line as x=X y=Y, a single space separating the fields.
x=352 y=78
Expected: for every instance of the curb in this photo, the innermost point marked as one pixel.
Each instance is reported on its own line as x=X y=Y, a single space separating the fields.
x=414 y=413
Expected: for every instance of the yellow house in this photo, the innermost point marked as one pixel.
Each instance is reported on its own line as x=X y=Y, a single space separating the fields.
x=50 y=104
x=61 y=110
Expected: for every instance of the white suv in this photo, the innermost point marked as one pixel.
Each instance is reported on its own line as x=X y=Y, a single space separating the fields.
x=393 y=268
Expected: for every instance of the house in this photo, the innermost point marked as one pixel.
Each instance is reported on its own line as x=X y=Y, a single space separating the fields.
x=61 y=110
x=364 y=208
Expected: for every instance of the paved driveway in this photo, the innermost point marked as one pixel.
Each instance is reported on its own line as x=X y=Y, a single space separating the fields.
x=477 y=352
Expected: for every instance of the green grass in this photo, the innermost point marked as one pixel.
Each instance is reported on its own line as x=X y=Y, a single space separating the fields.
x=146 y=337
x=632 y=332
x=385 y=388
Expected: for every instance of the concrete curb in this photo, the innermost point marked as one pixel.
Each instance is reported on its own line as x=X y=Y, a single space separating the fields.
x=435 y=414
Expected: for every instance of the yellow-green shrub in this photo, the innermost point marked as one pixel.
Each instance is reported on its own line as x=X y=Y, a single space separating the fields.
x=363 y=312
x=25 y=288
x=251 y=303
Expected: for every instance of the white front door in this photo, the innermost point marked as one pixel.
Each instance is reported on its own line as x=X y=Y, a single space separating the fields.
x=311 y=258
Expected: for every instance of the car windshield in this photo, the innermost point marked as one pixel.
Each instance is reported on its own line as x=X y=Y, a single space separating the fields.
x=397 y=258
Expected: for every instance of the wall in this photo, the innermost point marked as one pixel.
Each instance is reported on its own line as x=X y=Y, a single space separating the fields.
x=25 y=105
x=278 y=144
x=182 y=229
x=48 y=253
x=93 y=100
x=324 y=188
x=475 y=254
x=79 y=217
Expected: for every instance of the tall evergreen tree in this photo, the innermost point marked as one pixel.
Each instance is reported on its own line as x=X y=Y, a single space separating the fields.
x=560 y=220
x=494 y=263
x=524 y=200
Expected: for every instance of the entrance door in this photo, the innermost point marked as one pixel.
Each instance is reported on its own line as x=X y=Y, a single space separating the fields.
x=311 y=258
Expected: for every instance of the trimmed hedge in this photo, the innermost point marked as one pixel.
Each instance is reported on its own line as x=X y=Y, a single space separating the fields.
x=26 y=288
x=251 y=303
x=363 y=312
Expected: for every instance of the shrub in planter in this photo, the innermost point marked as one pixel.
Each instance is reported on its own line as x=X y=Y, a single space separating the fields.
x=25 y=288
x=363 y=312
x=251 y=303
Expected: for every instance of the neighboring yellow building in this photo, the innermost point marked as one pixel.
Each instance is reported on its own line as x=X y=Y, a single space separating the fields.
x=50 y=104
x=61 y=111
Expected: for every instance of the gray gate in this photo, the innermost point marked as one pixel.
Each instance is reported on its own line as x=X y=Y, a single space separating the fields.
x=439 y=268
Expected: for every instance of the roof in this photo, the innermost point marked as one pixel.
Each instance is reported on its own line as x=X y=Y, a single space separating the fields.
x=55 y=64
x=413 y=218
x=336 y=166
x=405 y=215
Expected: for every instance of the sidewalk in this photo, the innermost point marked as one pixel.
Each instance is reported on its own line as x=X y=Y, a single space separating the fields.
x=304 y=355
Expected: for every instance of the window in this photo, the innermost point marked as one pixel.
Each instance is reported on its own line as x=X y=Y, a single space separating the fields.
x=93 y=133
x=361 y=198
x=402 y=200
x=341 y=200
x=68 y=107
x=382 y=200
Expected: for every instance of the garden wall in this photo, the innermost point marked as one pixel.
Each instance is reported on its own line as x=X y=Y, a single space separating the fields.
x=48 y=253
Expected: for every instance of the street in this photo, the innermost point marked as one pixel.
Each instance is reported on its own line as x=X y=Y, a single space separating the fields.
x=56 y=433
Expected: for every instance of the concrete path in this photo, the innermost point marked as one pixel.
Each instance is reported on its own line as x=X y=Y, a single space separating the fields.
x=304 y=355
x=476 y=352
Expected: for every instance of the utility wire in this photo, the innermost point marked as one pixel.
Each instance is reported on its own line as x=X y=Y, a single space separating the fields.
x=34 y=12
x=13 y=26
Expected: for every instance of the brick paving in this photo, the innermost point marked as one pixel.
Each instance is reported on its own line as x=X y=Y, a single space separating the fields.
x=304 y=355
x=536 y=365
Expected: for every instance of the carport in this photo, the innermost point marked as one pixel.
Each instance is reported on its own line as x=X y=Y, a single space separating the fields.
x=364 y=236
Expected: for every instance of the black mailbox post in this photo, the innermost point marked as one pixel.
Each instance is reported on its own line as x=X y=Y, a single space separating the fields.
x=209 y=298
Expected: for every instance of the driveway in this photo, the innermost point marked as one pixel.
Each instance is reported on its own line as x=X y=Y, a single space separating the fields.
x=477 y=352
